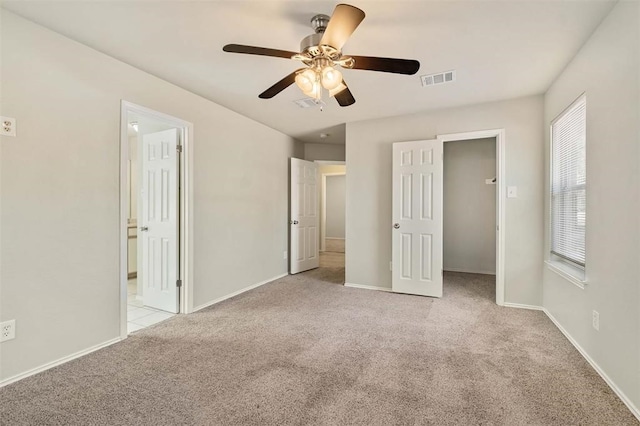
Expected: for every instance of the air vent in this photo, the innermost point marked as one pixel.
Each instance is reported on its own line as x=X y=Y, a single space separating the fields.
x=439 y=78
x=309 y=103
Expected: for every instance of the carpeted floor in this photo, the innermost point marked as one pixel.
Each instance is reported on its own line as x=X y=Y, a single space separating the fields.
x=302 y=351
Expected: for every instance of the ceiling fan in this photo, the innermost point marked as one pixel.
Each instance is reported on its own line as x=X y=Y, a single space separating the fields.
x=322 y=53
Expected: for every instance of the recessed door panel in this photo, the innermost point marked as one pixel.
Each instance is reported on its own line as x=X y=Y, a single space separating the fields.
x=300 y=237
x=406 y=255
x=426 y=195
x=406 y=158
x=425 y=257
x=406 y=195
x=312 y=242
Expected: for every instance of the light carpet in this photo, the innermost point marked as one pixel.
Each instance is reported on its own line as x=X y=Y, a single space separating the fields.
x=301 y=351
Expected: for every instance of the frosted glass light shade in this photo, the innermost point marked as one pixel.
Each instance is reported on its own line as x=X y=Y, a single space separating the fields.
x=331 y=78
x=306 y=80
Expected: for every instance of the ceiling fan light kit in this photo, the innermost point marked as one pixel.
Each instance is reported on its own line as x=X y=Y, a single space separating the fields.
x=321 y=53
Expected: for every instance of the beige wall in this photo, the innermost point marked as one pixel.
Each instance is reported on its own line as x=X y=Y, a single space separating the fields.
x=335 y=201
x=60 y=193
x=323 y=151
x=607 y=70
x=469 y=239
x=368 y=232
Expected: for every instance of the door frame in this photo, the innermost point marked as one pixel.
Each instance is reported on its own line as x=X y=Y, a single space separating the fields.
x=323 y=211
x=501 y=194
x=185 y=202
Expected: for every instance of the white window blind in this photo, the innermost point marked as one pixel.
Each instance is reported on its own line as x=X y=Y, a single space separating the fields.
x=568 y=183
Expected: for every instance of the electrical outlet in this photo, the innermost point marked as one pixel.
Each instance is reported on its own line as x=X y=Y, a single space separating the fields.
x=391 y=266
x=595 y=321
x=8 y=127
x=285 y=255
x=7 y=330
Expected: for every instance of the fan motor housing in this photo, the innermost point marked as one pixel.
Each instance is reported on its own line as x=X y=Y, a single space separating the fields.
x=310 y=43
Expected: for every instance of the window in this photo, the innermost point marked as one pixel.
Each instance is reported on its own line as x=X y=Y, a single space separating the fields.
x=568 y=186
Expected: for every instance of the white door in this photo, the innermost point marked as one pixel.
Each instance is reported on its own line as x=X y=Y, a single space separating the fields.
x=305 y=220
x=158 y=221
x=417 y=218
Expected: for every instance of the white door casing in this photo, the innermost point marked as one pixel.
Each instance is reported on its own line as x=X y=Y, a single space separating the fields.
x=417 y=218
x=158 y=221
x=304 y=216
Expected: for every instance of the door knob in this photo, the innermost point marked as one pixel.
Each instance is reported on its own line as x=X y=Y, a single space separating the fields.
x=144 y=228
x=396 y=225
x=295 y=222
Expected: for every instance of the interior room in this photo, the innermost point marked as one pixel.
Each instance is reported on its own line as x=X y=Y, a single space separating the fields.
x=479 y=265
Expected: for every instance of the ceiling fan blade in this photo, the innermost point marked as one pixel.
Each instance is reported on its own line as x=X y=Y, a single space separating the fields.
x=397 y=66
x=342 y=24
x=279 y=86
x=252 y=50
x=345 y=97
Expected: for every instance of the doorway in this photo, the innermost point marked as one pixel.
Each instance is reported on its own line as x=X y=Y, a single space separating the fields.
x=154 y=213
x=498 y=188
x=469 y=217
x=333 y=175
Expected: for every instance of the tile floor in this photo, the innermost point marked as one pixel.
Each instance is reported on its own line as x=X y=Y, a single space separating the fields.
x=138 y=315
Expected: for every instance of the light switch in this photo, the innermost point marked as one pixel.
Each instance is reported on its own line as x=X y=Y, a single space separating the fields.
x=512 y=192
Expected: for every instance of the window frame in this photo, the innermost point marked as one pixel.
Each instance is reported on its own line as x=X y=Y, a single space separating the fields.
x=565 y=266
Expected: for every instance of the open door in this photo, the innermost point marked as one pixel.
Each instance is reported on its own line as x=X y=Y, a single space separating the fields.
x=158 y=220
x=304 y=216
x=417 y=218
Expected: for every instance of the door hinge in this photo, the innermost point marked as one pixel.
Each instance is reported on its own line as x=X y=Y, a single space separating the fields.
x=178 y=283
x=179 y=148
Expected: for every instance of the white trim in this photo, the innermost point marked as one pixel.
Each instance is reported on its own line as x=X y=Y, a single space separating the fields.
x=469 y=271
x=330 y=162
x=323 y=211
x=59 y=361
x=522 y=306
x=235 y=293
x=186 y=206
x=368 y=287
x=559 y=268
x=501 y=191
x=634 y=410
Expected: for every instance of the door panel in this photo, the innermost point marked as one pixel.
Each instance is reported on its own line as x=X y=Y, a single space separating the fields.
x=417 y=218
x=159 y=225
x=305 y=217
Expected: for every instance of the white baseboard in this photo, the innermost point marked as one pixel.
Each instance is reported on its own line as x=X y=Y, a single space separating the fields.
x=58 y=362
x=469 y=271
x=367 y=287
x=596 y=367
x=522 y=306
x=229 y=296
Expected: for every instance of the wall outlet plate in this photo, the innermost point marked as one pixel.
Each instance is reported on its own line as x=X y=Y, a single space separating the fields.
x=285 y=254
x=8 y=127
x=7 y=330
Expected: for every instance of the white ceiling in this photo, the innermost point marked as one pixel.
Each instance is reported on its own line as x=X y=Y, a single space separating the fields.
x=500 y=50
